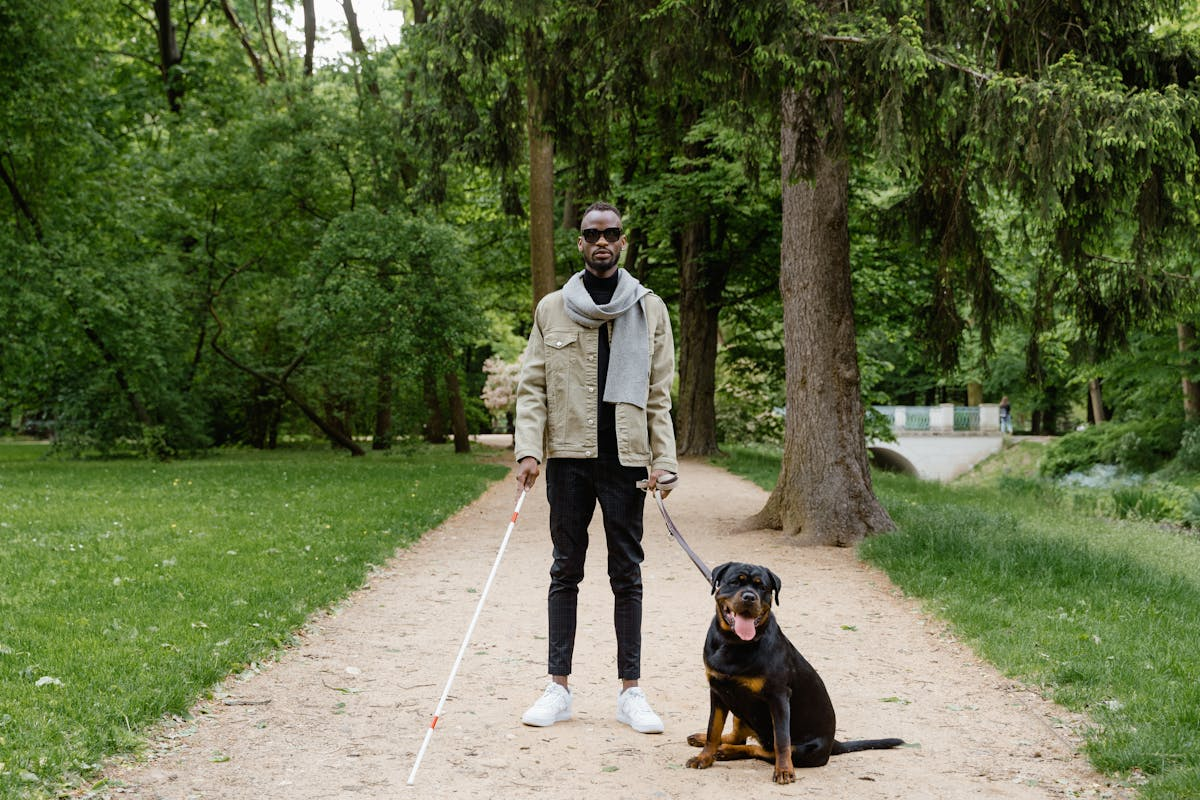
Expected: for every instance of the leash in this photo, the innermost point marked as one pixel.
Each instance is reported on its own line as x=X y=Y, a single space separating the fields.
x=673 y=530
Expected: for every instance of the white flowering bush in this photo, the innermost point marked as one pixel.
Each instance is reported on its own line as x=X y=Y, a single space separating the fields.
x=499 y=393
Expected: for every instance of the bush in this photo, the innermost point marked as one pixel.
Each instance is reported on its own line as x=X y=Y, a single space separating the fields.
x=1189 y=450
x=1142 y=502
x=1138 y=446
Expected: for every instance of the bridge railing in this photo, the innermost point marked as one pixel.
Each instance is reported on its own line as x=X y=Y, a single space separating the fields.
x=943 y=418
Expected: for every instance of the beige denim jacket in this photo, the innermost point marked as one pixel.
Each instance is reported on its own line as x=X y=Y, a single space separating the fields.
x=556 y=395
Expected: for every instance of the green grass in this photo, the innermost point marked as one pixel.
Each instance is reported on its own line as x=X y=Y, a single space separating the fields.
x=128 y=588
x=757 y=463
x=1103 y=616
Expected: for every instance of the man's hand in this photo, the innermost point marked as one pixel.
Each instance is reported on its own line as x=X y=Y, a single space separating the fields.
x=667 y=478
x=527 y=474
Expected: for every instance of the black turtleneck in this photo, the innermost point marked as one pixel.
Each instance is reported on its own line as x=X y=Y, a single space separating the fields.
x=601 y=291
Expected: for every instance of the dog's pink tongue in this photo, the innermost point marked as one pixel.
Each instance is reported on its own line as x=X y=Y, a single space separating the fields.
x=743 y=627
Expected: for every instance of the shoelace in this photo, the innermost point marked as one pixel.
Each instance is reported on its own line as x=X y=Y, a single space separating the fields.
x=638 y=704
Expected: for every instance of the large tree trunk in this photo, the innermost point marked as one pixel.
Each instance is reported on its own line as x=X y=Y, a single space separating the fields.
x=541 y=193
x=701 y=285
x=1187 y=352
x=824 y=492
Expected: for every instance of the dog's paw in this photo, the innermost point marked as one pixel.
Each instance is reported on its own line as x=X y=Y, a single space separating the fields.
x=698 y=739
x=784 y=775
x=702 y=761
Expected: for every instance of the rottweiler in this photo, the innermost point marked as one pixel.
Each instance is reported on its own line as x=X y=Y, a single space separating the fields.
x=760 y=679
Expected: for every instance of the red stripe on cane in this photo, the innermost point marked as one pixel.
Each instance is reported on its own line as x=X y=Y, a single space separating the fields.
x=433 y=724
x=514 y=519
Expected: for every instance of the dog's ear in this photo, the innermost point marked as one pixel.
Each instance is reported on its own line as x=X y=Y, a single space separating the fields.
x=776 y=584
x=718 y=574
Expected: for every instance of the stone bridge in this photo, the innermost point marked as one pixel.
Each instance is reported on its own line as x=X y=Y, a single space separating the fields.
x=938 y=442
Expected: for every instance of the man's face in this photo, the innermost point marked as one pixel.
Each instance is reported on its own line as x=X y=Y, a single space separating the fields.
x=601 y=257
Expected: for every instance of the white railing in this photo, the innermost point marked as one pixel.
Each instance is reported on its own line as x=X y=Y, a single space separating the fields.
x=943 y=418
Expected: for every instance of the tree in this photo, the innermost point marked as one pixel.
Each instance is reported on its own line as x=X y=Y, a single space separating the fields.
x=1033 y=125
x=1186 y=333
x=830 y=502
x=91 y=291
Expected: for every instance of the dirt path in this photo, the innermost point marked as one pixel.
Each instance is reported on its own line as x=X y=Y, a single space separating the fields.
x=344 y=714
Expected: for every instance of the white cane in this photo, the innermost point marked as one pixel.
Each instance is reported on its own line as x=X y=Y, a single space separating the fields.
x=466 y=639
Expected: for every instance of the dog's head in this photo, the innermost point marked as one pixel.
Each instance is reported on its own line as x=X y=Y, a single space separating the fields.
x=743 y=594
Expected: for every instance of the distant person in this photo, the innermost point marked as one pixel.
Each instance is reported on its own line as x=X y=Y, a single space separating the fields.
x=1005 y=415
x=594 y=407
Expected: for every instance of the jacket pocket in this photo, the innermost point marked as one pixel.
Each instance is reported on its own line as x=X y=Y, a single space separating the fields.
x=633 y=435
x=563 y=361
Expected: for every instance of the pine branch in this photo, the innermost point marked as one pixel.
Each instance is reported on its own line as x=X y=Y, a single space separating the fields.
x=974 y=73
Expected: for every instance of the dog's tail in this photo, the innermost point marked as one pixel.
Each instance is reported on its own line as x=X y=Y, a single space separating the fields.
x=864 y=744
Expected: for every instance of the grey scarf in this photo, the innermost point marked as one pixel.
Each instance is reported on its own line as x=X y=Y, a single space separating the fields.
x=629 y=357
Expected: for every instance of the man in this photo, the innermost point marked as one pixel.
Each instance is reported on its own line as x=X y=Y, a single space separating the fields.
x=594 y=406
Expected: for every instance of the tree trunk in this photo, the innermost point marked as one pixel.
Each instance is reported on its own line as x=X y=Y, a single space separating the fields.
x=275 y=54
x=359 y=47
x=335 y=435
x=1041 y=320
x=974 y=393
x=244 y=37
x=1191 y=389
x=135 y=401
x=824 y=492
x=570 y=211
x=435 y=423
x=262 y=417
x=1096 y=401
x=339 y=417
x=458 y=413
x=541 y=194
x=310 y=36
x=701 y=285
x=382 y=440
x=169 y=56
x=356 y=41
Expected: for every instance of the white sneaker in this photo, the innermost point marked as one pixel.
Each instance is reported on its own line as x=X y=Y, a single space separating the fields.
x=553 y=706
x=634 y=710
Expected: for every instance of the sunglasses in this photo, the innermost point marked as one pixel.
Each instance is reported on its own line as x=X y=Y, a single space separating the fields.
x=592 y=235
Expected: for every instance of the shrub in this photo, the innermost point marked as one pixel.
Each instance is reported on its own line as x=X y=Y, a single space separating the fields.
x=747 y=400
x=1140 y=502
x=1137 y=446
x=1189 y=449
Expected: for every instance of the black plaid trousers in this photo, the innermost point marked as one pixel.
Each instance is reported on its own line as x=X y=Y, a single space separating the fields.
x=573 y=488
